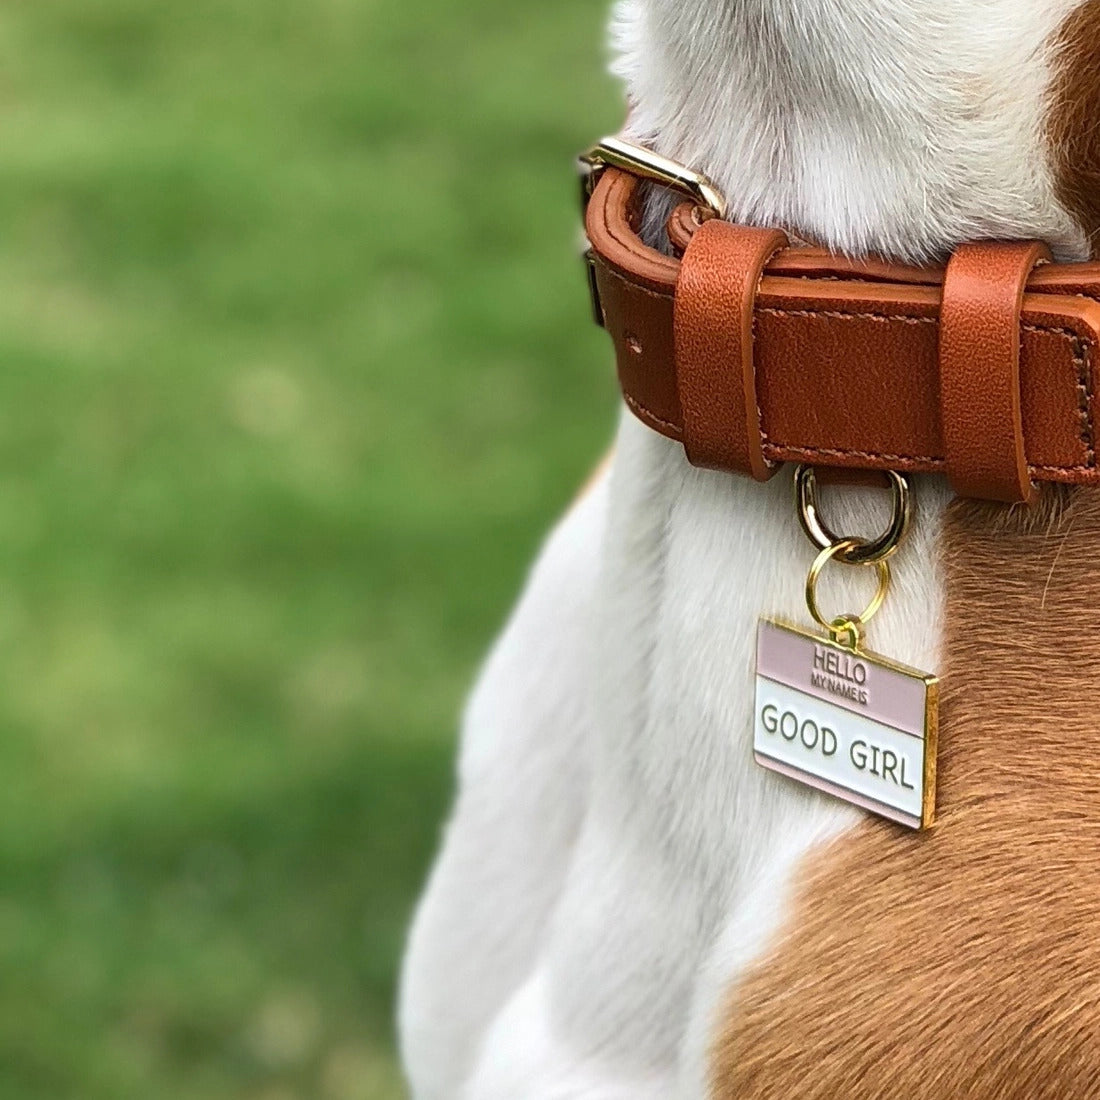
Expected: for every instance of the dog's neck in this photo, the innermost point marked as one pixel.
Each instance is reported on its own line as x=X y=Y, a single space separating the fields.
x=901 y=127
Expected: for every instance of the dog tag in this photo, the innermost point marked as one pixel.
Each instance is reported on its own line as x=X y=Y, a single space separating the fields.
x=847 y=722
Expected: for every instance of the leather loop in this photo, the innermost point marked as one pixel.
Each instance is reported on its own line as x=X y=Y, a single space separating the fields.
x=980 y=399
x=714 y=345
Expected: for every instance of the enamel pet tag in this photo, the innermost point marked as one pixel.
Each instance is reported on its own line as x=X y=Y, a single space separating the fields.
x=833 y=715
x=846 y=722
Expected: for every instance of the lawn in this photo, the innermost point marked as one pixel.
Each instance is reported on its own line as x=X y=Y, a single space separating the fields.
x=296 y=370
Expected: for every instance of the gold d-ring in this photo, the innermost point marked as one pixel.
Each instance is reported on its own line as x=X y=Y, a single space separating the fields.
x=863 y=552
x=852 y=624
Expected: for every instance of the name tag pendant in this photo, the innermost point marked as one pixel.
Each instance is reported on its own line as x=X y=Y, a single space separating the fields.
x=833 y=715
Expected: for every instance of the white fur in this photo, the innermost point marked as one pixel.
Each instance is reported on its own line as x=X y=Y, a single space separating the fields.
x=896 y=126
x=616 y=858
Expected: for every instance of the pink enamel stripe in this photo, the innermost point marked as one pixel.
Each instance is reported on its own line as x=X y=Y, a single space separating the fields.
x=813 y=667
x=837 y=791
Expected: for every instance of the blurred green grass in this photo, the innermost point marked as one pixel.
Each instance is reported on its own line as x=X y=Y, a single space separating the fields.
x=295 y=369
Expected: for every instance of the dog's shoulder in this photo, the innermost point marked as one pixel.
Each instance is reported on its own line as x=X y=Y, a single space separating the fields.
x=963 y=962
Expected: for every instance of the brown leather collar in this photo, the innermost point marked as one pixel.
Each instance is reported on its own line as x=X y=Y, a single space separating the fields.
x=751 y=352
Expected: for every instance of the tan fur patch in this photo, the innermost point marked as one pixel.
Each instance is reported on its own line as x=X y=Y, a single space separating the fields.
x=1074 y=134
x=963 y=962
x=594 y=477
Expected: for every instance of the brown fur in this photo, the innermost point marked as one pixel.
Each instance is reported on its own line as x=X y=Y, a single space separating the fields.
x=963 y=962
x=1074 y=120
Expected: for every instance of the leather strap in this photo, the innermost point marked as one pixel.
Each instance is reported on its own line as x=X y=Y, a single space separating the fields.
x=714 y=315
x=980 y=338
x=846 y=357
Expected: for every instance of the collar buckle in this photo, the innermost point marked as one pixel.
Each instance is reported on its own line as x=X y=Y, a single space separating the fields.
x=615 y=152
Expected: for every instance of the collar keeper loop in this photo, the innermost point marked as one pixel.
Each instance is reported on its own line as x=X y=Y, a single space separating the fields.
x=979 y=354
x=714 y=338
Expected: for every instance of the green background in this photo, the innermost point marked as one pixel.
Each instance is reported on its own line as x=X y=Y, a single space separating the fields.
x=296 y=370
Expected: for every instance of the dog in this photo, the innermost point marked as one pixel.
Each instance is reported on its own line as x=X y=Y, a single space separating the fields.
x=625 y=905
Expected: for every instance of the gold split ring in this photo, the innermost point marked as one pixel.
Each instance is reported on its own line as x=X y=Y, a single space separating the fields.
x=849 y=626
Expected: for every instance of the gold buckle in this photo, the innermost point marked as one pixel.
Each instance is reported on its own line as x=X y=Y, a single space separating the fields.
x=614 y=152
